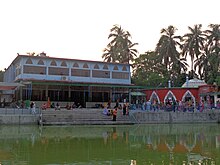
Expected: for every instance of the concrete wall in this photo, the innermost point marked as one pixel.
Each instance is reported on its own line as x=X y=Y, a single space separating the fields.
x=95 y=116
x=19 y=119
x=175 y=117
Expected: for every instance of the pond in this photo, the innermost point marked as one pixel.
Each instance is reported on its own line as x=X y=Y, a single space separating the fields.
x=151 y=144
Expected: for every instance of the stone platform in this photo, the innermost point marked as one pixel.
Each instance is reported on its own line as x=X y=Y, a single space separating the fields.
x=96 y=117
x=82 y=116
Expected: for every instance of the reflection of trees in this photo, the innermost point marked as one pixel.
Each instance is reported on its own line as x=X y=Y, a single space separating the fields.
x=155 y=143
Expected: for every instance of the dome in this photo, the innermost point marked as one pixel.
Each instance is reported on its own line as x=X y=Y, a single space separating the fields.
x=195 y=83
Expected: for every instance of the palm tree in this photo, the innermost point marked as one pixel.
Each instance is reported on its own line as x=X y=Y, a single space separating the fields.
x=109 y=54
x=213 y=36
x=120 y=49
x=167 y=47
x=203 y=65
x=214 y=45
x=193 y=43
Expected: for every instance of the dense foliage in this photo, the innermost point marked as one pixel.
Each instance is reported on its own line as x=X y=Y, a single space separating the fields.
x=196 y=54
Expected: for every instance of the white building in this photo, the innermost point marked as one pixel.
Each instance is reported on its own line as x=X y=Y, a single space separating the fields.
x=62 y=79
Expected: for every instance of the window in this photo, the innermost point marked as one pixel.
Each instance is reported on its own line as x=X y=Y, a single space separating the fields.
x=53 y=63
x=115 y=68
x=120 y=75
x=96 y=66
x=75 y=65
x=63 y=63
x=80 y=72
x=34 y=70
x=29 y=61
x=124 y=68
x=58 y=71
x=100 y=74
x=85 y=65
x=105 y=67
x=40 y=62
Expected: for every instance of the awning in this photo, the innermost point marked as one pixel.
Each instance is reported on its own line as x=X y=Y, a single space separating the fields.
x=87 y=84
x=137 y=94
x=9 y=86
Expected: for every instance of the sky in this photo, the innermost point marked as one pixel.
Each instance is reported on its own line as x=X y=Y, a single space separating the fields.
x=79 y=29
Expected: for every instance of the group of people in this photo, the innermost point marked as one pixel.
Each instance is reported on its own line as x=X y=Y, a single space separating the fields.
x=113 y=112
x=57 y=106
x=175 y=105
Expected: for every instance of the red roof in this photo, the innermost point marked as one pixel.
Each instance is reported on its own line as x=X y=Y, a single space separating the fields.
x=5 y=88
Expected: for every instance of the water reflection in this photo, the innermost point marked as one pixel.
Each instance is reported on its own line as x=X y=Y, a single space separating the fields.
x=109 y=145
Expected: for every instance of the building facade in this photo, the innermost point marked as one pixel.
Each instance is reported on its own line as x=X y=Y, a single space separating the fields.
x=193 y=92
x=62 y=80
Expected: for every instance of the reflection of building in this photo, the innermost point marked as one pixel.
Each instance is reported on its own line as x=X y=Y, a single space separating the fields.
x=194 y=90
x=62 y=79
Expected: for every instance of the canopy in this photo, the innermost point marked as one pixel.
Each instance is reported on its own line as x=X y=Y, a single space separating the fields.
x=9 y=86
x=137 y=94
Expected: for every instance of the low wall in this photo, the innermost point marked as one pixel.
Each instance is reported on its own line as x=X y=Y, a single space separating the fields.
x=19 y=119
x=175 y=117
x=95 y=116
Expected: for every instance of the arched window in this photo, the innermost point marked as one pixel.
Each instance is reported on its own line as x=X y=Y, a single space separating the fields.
x=29 y=61
x=96 y=66
x=63 y=63
x=53 y=63
x=154 y=96
x=40 y=62
x=85 y=65
x=115 y=67
x=124 y=68
x=169 y=95
x=188 y=96
x=105 y=67
x=76 y=65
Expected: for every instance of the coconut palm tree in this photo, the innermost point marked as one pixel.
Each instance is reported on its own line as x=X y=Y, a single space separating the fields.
x=208 y=62
x=213 y=36
x=120 y=48
x=167 y=47
x=214 y=45
x=109 y=55
x=202 y=64
x=193 y=43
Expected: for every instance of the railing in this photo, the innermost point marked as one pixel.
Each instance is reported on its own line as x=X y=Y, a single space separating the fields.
x=133 y=118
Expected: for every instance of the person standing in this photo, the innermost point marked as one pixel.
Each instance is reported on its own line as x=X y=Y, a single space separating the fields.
x=124 y=109
x=33 y=108
x=114 y=114
x=117 y=103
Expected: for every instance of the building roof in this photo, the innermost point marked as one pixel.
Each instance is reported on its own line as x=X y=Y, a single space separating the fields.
x=195 y=83
x=9 y=86
x=61 y=58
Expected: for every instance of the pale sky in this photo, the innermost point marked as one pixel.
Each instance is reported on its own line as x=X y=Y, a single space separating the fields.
x=79 y=29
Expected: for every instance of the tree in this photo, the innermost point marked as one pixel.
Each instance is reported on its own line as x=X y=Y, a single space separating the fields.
x=120 y=48
x=193 y=43
x=203 y=64
x=167 y=47
x=213 y=51
x=148 y=72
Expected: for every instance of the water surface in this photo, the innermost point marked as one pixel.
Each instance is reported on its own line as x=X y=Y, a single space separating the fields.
x=152 y=144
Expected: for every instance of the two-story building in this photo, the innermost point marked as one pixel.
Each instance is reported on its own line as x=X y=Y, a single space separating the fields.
x=73 y=80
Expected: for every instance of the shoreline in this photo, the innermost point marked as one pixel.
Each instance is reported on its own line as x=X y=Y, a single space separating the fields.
x=96 y=117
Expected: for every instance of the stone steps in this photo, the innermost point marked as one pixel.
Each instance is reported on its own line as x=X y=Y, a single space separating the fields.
x=81 y=116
